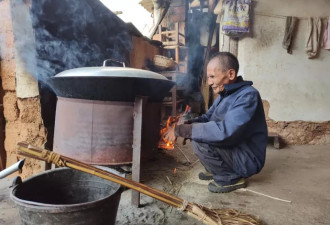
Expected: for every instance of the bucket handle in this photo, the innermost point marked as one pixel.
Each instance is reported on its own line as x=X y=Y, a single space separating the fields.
x=16 y=181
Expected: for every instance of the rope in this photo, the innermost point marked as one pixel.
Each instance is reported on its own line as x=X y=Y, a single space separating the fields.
x=184 y=205
x=202 y=218
x=202 y=215
x=52 y=157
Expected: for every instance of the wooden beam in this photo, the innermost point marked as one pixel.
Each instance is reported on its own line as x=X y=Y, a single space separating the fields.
x=139 y=105
x=174 y=96
x=205 y=88
x=275 y=137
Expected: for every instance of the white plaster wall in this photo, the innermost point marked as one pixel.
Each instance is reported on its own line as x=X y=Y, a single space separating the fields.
x=296 y=87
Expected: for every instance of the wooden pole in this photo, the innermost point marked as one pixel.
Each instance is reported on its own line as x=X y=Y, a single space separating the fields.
x=37 y=153
x=205 y=88
x=137 y=137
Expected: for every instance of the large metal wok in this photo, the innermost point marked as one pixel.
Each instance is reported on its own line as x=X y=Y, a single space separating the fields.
x=110 y=84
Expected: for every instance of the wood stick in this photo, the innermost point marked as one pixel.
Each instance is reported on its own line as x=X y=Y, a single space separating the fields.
x=194 y=162
x=182 y=153
x=177 y=192
x=268 y=196
x=169 y=180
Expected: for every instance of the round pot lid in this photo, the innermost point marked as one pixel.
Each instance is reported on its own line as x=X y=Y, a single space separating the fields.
x=111 y=72
x=110 y=84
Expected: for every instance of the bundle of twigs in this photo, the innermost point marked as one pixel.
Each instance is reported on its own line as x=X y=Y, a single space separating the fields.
x=204 y=214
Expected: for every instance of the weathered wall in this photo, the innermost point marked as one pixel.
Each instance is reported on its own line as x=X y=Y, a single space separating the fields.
x=298 y=132
x=142 y=50
x=23 y=120
x=296 y=88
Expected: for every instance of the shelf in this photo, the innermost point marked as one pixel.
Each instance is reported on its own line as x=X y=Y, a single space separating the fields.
x=170 y=103
x=172 y=73
x=175 y=46
x=174 y=41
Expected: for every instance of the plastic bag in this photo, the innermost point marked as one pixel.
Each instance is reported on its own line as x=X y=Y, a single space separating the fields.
x=236 y=17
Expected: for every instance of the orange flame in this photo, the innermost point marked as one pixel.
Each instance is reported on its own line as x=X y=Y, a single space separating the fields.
x=170 y=123
x=186 y=110
x=163 y=143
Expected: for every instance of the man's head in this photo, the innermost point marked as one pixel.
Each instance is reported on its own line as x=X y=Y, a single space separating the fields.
x=222 y=69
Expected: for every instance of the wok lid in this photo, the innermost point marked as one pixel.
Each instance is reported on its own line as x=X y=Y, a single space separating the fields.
x=111 y=72
x=110 y=84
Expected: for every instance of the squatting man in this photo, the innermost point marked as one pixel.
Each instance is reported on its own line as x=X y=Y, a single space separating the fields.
x=230 y=139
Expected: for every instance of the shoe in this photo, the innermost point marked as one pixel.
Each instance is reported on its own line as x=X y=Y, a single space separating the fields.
x=216 y=188
x=205 y=176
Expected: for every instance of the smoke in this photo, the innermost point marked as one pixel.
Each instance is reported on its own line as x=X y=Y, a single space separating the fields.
x=56 y=35
x=53 y=36
x=196 y=52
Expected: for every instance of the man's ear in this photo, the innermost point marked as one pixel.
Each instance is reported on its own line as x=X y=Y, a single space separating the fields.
x=231 y=74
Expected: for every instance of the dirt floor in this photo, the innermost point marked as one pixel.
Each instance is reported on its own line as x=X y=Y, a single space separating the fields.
x=300 y=174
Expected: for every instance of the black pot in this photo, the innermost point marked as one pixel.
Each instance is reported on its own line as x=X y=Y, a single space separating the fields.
x=66 y=196
x=110 y=84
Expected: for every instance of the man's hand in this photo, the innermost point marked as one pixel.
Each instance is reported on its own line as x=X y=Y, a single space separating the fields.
x=183 y=130
x=169 y=135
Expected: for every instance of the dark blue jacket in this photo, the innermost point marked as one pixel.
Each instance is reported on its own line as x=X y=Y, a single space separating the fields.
x=236 y=121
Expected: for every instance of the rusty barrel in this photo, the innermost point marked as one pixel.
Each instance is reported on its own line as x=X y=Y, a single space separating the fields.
x=66 y=196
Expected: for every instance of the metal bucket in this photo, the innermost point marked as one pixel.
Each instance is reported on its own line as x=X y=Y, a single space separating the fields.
x=66 y=196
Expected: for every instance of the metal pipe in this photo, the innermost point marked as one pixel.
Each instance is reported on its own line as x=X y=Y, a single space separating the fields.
x=12 y=169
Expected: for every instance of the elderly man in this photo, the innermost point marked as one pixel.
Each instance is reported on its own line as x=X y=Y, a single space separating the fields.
x=231 y=138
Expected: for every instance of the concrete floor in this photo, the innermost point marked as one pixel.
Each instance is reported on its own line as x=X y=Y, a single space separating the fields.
x=300 y=174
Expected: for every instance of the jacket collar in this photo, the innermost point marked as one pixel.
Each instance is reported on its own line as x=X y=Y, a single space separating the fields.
x=231 y=88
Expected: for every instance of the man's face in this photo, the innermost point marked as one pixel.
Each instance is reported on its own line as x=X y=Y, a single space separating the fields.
x=217 y=77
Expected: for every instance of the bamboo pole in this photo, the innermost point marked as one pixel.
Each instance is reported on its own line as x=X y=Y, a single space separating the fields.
x=201 y=213
x=28 y=150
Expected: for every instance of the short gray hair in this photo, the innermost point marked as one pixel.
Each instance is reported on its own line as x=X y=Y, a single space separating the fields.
x=227 y=60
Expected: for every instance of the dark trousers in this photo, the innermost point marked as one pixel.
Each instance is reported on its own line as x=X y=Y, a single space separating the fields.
x=218 y=161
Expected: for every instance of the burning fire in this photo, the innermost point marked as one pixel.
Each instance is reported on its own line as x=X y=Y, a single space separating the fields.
x=171 y=122
x=163 y=143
